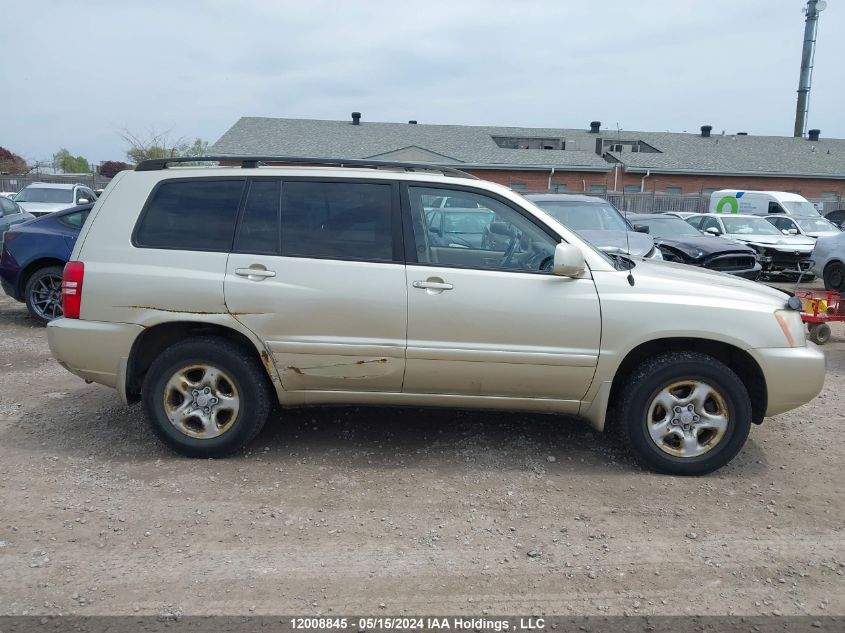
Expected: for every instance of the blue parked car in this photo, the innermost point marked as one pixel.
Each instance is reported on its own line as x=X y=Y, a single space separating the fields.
x=33 y=257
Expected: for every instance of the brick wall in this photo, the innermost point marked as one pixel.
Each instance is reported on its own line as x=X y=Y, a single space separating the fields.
x=537 y=181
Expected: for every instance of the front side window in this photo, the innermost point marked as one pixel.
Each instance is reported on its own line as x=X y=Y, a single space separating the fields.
x=491 y=236
x=338 y=220
x=696 y=221
x=816 y=225
x=195 y=215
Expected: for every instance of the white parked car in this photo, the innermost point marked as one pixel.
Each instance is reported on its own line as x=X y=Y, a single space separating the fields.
x=814 y=227
x=41 y=198
x=208 y=293
x=779 y=254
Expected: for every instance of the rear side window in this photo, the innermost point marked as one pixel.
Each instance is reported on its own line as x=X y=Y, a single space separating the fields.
x=74 y=220
x=198 y=215
x=259 y=231
x=338 y=220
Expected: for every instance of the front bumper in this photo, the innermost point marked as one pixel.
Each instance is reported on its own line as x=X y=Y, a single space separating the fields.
x=794 y=375
x=93 y=350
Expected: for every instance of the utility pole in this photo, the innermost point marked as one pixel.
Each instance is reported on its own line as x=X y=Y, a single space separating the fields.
x=811 y=25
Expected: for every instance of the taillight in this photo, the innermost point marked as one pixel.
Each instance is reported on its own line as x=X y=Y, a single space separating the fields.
x=72 y=289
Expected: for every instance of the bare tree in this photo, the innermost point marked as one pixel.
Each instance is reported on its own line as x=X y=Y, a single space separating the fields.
x=160 y=145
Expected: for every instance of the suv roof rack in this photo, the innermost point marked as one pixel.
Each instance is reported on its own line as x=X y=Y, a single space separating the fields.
x=155 y=164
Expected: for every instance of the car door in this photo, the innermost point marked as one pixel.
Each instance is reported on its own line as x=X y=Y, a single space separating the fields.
x=496 y=323
x=316 y=273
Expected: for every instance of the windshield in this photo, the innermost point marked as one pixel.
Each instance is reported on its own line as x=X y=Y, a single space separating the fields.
x=816 y=225
x=44 y=194
x=668 y=227
x=749 y=226
x=800 y=208
x=580 y=216
x=467 y=222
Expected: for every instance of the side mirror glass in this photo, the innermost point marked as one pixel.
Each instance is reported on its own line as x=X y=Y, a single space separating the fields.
x=568 y=261
x=712 y=231
x=641 y=228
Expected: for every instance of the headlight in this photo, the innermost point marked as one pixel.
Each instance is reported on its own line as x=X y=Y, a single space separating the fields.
x=792 y=326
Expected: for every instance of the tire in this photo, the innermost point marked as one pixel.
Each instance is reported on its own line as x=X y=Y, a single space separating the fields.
x=708 y=448
x=819 y=333
x=834 y=277
x=215 y=391
x=43 y=294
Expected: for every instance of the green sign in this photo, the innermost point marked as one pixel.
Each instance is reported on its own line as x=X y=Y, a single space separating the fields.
x=728 y=201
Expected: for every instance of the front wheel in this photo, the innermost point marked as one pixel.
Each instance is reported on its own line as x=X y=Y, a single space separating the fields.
x=206 y=397
x=685 y=413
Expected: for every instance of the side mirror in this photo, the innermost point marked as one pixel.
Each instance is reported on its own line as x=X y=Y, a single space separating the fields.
x=713 y=231
x=83 y=201
x=792 y=232
x=436 y=230
x=568 y=261
x=641 y=228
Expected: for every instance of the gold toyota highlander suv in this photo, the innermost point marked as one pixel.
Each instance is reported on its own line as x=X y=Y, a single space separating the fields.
x=208 y=292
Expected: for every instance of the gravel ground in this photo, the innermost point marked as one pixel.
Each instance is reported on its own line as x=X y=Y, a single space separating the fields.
x=386 y=511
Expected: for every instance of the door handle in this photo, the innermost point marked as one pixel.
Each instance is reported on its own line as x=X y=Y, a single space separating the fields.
x=255 y=273
x=432 y=285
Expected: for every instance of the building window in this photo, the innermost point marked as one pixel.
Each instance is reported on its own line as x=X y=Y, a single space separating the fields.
x=598 y=188
x=675 y=190
x=632 y=189
x=519 y=186
x=829 y=195
x=709 y=190
x=559 y=188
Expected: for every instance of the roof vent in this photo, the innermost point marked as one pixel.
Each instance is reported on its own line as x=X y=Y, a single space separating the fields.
x=742 y=133
x=813 y=135
x=705 y=130
x=356 y=118
x=594 y=127
x=412 y=122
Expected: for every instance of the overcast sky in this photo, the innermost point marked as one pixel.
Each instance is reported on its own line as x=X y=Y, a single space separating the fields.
x=74 y=74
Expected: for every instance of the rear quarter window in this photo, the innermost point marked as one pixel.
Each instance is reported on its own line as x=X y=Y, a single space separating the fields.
x=197 y=215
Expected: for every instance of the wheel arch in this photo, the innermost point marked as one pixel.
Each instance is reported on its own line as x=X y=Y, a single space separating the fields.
x=155 y=339
x=740 y=361
x=34 y=266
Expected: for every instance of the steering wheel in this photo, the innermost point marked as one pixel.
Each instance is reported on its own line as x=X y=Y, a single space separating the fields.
x=511 y=249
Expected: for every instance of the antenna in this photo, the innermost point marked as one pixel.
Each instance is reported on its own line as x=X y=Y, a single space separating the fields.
x=624 y=209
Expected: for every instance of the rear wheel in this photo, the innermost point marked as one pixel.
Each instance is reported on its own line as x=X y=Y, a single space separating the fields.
x=43 y=294
x=206 y=397
x=685 y=413
x=834 y=277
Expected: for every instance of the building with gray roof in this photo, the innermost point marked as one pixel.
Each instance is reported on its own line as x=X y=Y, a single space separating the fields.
x=564 y=159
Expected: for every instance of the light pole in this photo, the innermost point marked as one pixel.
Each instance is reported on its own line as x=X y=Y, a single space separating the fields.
x=811 y=24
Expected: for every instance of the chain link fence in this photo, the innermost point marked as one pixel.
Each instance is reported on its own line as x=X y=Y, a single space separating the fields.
x=16 y=183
